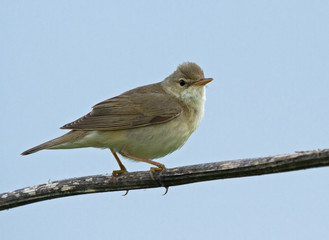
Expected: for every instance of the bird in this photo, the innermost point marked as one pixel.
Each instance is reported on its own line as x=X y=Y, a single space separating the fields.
x=141 y=124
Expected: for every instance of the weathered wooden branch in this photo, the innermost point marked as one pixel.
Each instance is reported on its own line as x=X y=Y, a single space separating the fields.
x=166 y=178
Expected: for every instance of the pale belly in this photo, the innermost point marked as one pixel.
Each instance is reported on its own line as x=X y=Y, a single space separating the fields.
x=149 y=142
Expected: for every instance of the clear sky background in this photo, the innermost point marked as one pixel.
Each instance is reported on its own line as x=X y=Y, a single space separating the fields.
x=270 y=62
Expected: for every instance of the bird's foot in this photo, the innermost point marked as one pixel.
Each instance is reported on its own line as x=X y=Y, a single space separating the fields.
x=117 y=173
x=160 y=167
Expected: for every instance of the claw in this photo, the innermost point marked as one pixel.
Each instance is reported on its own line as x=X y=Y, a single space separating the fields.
x=167 y=188
x=125 y=193
x=155 y=169
x=160 y=167
x=116 y=173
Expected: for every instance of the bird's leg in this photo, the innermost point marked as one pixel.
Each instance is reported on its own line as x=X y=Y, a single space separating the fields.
x=122 y=167
x=159 y=167
x=118 y=172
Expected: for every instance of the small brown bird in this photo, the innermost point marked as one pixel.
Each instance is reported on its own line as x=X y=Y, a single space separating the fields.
x=142 y=124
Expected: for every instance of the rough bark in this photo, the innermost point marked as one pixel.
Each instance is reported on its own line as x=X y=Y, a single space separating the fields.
x=166 y=178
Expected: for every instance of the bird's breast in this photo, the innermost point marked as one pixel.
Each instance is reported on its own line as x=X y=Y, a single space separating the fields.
x=149 y=142
x=158 y=140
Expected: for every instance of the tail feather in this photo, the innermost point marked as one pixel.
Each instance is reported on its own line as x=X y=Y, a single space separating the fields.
x=66 y=138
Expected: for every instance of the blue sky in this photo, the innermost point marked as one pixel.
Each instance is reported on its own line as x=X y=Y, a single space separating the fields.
x=269 y=61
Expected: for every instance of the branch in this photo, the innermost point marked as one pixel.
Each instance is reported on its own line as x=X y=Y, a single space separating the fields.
x=166 y=178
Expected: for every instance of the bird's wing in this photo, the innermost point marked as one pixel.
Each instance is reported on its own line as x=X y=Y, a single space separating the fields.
x=131 y=109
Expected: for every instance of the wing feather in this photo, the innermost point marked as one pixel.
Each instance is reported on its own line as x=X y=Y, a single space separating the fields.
x=139 y=107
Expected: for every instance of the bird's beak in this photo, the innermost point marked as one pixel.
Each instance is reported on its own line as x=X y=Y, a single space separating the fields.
x=202 y=82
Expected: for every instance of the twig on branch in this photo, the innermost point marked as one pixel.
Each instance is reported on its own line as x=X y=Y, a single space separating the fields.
x=166 y=178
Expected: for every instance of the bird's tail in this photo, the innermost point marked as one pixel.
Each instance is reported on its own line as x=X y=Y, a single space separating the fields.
x=66 y=138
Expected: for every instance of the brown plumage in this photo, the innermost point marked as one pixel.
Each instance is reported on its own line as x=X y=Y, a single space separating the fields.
x=134 y=108
x=70 y=136
x=144 y=123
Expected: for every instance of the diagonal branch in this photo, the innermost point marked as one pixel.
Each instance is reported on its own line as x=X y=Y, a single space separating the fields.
x=167 y=178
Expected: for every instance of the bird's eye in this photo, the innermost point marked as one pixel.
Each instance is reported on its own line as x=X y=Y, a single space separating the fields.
x=182 y=82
